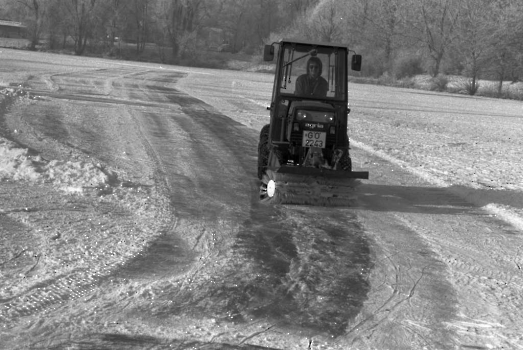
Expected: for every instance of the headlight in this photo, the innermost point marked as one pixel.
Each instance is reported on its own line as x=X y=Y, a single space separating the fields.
x=315 y=116
x=302 y=115
x=329 y=117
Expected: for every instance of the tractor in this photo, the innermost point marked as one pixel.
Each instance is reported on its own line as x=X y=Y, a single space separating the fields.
x=303 y=153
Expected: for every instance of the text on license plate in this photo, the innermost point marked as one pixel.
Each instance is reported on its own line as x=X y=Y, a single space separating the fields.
x=314 y=139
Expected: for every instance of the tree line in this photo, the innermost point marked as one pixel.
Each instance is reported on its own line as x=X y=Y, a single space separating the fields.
x=474 y=38
x=180 y=25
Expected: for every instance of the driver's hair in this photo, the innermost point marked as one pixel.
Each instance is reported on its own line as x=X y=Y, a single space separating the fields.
x=315 y=60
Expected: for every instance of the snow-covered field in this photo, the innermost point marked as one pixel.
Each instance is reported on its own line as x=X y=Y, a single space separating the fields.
x=88 y=187
x=470 y=144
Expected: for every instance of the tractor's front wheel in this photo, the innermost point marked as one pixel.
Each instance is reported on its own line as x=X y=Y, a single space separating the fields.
x=263 y=151
x=346 y=161
x=269 y=189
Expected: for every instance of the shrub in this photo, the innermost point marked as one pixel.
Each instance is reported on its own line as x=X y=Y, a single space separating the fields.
x=508 y=91
x=439 y=83
x=363 y=80
x=489 y=91
x=386 y=79
x=471 y=86
x=372 y=66
x=408 y=66
x=515 y=91
x=409 y=83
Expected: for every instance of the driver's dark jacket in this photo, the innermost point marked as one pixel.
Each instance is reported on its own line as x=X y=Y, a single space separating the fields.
x=308 y=86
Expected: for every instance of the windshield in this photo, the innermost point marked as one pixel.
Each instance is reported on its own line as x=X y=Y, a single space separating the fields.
x=314 y=72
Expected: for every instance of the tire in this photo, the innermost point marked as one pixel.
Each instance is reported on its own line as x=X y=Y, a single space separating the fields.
x=263 y=151
x=264 y=134
x=345 y=161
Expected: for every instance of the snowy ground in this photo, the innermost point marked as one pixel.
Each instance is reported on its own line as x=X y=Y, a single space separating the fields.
x=467 y=143
x=92 y=172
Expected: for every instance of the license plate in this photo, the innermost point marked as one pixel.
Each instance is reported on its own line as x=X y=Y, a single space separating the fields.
x=314 y=139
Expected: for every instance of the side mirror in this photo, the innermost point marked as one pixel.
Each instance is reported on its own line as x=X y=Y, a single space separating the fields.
x=268 y=53
x=356 y=63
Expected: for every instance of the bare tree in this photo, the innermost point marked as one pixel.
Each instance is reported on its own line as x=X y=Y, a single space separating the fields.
x=178 y=22
x=435 y=21
x=235 y=16
x=35 y=17
x=357 y=16
x=139 y=15
x=297 y=8
x=384 y=22
x=267 y=20
x=80 y=16
x=475 y=28
x=31 y=12
x=322 y=21
x=506 y=54
x=115 y=13
x=326 y=21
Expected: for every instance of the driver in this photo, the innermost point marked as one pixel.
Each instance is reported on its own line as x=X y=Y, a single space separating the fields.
x=312 y=84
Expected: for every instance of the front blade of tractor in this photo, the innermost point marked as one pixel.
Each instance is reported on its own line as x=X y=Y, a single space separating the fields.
x=320 y=172
x=308 y=188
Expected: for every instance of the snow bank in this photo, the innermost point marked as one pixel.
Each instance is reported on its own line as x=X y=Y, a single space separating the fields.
x=17 y=164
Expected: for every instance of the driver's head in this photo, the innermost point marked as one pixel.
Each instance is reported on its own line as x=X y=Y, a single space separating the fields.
x=314 y=67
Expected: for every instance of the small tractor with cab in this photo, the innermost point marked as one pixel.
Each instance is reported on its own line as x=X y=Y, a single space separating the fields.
x=303 y=153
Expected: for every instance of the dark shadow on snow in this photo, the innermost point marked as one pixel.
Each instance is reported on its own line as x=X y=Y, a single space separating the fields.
x=435 y=200
x=112 y=341
x=272 y=280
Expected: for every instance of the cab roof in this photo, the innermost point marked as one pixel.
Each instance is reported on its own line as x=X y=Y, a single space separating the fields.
x=313 y=43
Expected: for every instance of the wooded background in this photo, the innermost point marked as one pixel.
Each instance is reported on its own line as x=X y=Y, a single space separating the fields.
x=401 y=38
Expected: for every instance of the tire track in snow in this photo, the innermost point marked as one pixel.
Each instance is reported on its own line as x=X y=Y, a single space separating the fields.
x=79 y=283
x=49 y=295
x=410 y=301
x=481 y=255
x=487 y=278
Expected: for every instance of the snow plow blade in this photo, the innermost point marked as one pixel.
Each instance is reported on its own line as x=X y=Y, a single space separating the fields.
x=327 y=173
x=309 y=186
